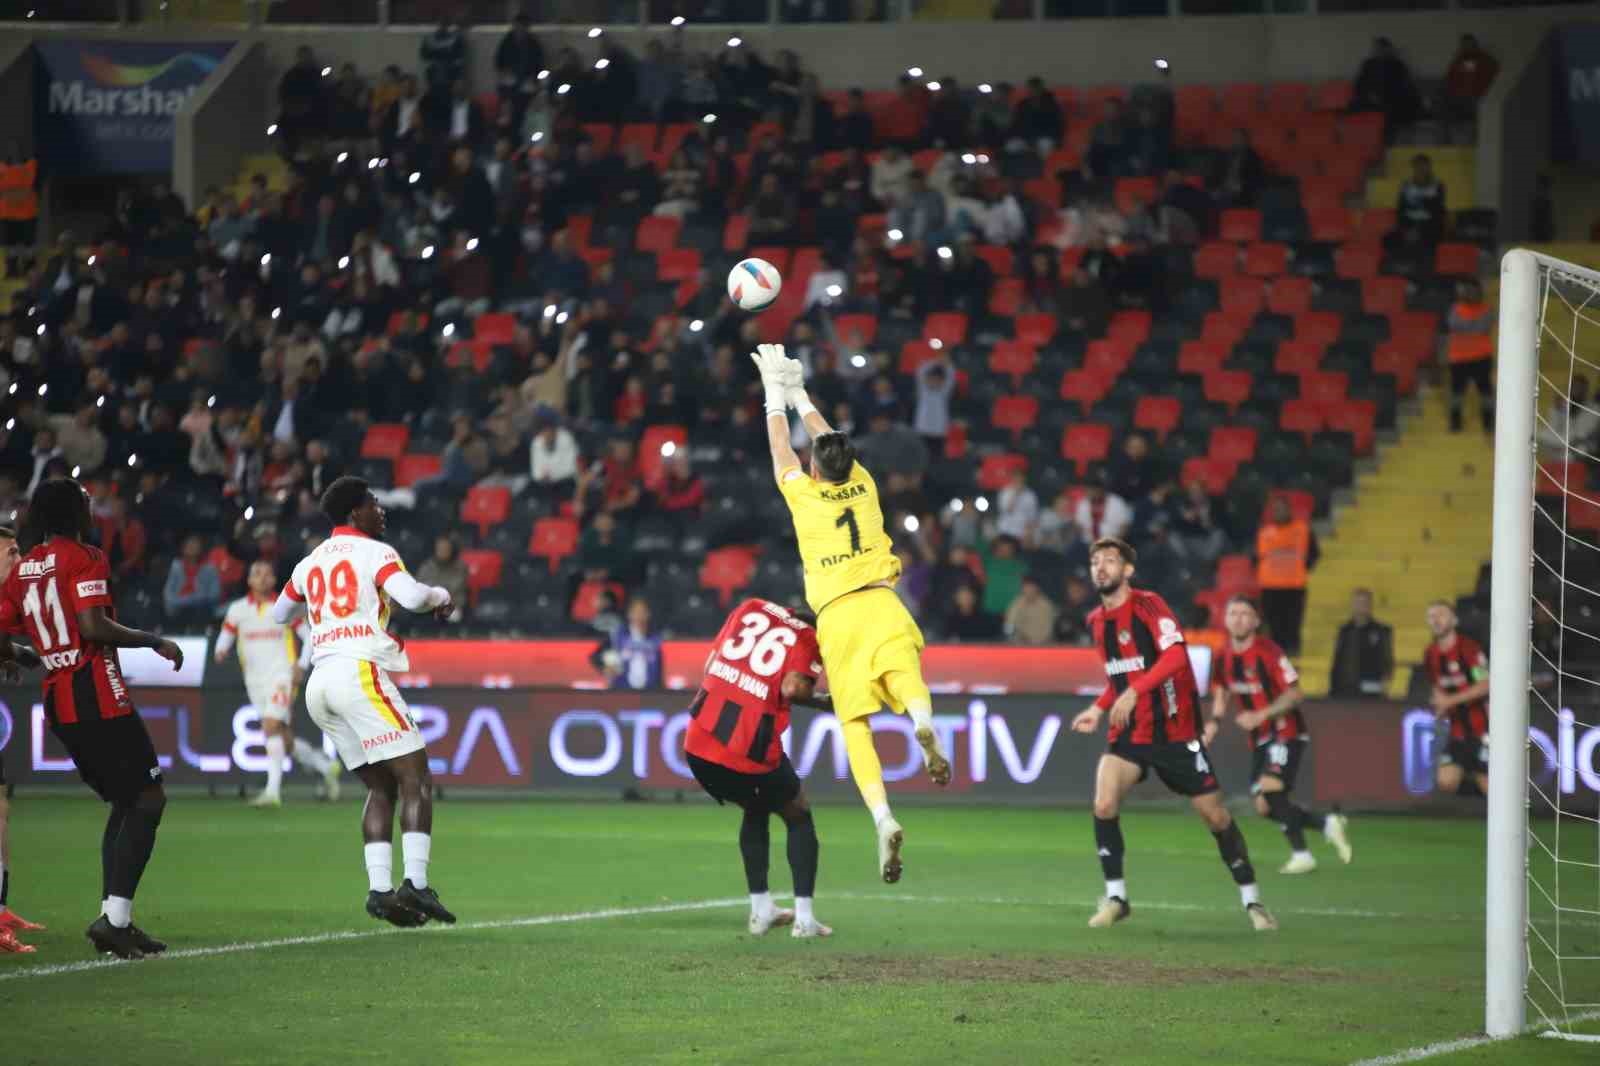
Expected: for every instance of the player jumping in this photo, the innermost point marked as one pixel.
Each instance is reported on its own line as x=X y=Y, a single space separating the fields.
x=1459 y=671
x=59 y=594
x=346 y=585
x=870 y=644
x=763 y=659
x=272 y=668
x=11 y=923
x=1155 y=725
x=1260 y=675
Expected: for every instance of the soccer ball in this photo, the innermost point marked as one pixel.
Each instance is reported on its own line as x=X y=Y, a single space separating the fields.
x=753 y=284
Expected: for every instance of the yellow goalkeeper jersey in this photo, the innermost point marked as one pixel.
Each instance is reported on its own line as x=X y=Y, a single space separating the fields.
x=843 y=545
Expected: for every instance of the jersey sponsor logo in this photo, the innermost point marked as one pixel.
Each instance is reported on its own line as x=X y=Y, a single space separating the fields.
x=830 y=560
x=92 y=588
x=119 y=692
x=739 y=679
x=849 y=492
x=381 y=739
x=1124 y=637
x=1115 y=667
x=345 y=633
x=1170 y=633
x=61 y=660
x=37 y=567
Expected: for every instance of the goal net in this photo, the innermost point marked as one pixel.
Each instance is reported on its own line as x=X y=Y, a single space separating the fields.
x=1543 y=912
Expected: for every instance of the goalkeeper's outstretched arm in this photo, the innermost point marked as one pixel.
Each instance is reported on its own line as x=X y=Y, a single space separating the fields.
x=781 y=378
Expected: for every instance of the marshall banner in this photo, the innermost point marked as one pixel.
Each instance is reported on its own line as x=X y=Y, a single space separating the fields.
x=106 y=106
x=1576 y=94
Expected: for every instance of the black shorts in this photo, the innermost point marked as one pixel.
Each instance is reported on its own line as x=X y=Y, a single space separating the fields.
x=114 y=756
x=769 y=792
x=1183 y=766
x=1471 y=754
x=1281 y=759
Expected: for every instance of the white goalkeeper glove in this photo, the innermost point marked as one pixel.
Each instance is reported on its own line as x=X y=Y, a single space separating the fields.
x=769 y=360
x=794 y=387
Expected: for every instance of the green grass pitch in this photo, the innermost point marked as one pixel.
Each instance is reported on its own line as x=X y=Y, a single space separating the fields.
x=979 y=955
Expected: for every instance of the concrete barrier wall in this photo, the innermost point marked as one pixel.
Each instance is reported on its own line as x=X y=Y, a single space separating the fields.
x=225 y=120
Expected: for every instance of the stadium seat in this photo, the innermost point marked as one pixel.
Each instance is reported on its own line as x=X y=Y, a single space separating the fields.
x=385 y=440
x=1232 y=444
x=1297 y=357
x=727 y=570
x=1383 y=295
x=1375 y=224
x=495 y=327
x=950 y=327
x=1085 y=387
x=1240 y=225
x=553 y=539
x=1085 y=443
x=1332 y=96
x=1302 y=504
x=1399 y=360
x=913 y=354
x=1329 y=223
x=1301 y=416
x=856 y=330
x=1359 y=418
x=736 y=233
x=1556 y=479
x=1357 y=260
x=1108 y=357
x=1239 y=104
x=1318 y=327
x=656 y=233
x=678 y=264
x=1266 y=259
x=1236 y=574
x=1242 y=295
x=1209 y=472
x=1363 y=133
x=1130 y=194
x=995 y=470
x=638 y=135
x=1005 y=299
x=1158 y=414
x=653 y=449
x=1216 y=260
x=1201 y=357
x=600 y=137
x=1231 y=388
x=1324 y=387
x=484 y=569
x=485 y=507
x=1130 y=327
x=411 y=468
x=672 y=137
x=1036 y=328
x=1014 y=413
x=1225 y=327
x=999 y=258
x=586 y=601
x=1289 y=295
x=1457 y=260
x=1288 y=100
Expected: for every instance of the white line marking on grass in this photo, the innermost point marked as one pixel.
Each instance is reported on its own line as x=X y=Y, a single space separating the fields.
x=1314 y=912
x=1447 y=1047
x=331 y=938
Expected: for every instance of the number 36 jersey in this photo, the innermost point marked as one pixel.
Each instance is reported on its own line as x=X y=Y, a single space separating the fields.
x=740 y=714
x=347 y=612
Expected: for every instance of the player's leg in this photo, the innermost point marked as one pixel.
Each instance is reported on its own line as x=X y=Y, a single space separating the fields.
x=377 y=845
x=416 y=834
x=908 y=693
x=1114 y=777
x=804 y=852
x=1235 y=855
x=1480 y=378
x=10 y=922
x=312 y=758
x=1272 y=799
x=755 y=850
x=867 y=770
x=130 y=779
x=1448 y=776
x=277 y=751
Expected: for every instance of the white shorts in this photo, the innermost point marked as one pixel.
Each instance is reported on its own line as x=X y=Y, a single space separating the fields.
x=271 y=697
x=357 y=705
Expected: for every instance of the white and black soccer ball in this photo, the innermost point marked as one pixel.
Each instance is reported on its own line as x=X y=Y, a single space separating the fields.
x=753 y=284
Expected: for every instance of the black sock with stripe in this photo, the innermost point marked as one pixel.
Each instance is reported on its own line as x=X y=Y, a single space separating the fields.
x=1235 y=855
x=804 y=853
x=1108 y=842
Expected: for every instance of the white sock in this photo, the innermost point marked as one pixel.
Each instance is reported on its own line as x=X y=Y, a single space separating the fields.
x=1249 y=894
x=416 y=847
x=1303 y=855
x=921 y=716
x=761 y=903
x=880 y=813
x=310 y=756
x=119 y=911
x=275 y=753
x=802 y=909
x=380 y=866
x=1117 y=888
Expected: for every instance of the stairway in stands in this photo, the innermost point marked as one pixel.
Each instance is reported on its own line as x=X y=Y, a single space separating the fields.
x=1455 y=165
x=1418 y=530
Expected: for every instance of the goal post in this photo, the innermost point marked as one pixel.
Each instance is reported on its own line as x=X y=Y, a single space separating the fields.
x=1542 y=914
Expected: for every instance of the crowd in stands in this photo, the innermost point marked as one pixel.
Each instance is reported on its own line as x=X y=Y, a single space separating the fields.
x=459 y=294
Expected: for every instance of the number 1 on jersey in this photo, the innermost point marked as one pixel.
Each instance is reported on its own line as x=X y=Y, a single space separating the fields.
x=849 y=519
x=36 y=611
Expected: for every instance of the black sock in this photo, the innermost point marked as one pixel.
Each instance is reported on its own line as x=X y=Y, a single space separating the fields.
x=133 y=848
x=1235 y=856
x=1313 y=819
x=1108 y=842
x=5 y=887
x=804 y=852
x=108 y=848
x=1287 y=815
x=753 y=844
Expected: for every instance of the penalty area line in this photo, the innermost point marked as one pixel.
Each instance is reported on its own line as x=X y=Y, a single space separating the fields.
x=333 y=938
x=1468 y=1043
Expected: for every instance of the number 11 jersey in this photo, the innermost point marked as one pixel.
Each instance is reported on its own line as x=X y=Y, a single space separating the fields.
x=341 y=584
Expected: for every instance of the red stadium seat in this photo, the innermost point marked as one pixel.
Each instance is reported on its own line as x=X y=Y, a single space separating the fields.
x=1383 y=295
x=1357 y=260
x=1046 y=192
x=486 y=507
x=1558 y=479
x=1130 y=194
x=638 y=135
x=652 y=449
x=554 y=539
x=1244 y=295
x=736 y=234
x=1396 y=358
x=1330 y=224
x=1332 y=96
x=1289 y=295
x=1014 y=413
x=1213 y=475
x=1036 y=328
x=1226 y=328
x=1240 y=225
x=1359 y=418
x=586 y=601
x=1457 y=259
x=1266 y=259
x=1232 y=444
x=1375 y=224
x=1131 y=327
x=678 y=264
x=1005 y=299
x=1107 y=357
x=1362 y=132
x=949 y=327
x=998 y=256
x=995 y=470
x=1318 y=327
x=579 y=227
x=1300 y=416
x=409 y=469
x=1231 y=388
x=1086 y=443
x=1324 y=388
x=774 y=254
x=955 y=441
x=1235 y=574
x=856 y=330
x=484 y=569
x=385 y=440
x=1298 y=357
x=600 y=137
x=495 y=327
x=727 y=570
x=1419 y=328
x=1013 y=359
x=1201 y=357
x=1216 y=260
x=1288 y=100
x=1240 y=104
x=1302 y=504
x=1085 y=388
x=913 y=354
x=672 y=137
x=1158 y=414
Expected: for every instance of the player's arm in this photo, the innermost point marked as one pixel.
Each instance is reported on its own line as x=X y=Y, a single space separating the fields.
x=412 y=594
x=225 y=640
x=770 y=364
x=1088 y=719
x=802 y=689
x=94 y=624
x=288 y=604
x=1474 y=692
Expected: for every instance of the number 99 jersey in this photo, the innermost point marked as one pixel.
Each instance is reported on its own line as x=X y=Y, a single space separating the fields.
x=347 y=612
x=740 y=714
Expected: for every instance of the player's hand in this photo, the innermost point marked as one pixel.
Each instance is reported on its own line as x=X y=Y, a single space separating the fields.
x=1249 y=719
x=1440 y=702
x=1122 y=710
x=769 y=360
x=170 y=651
x=794 y=375
x=1087 y=720
x=1209 y=733
x=27 y=658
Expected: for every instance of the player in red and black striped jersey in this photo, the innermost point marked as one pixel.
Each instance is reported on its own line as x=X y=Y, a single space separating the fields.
x=764 y=658
x=11 y=923
x=59 y=594
x=1256 y=672
x=1459 y=670
x=1154 y=706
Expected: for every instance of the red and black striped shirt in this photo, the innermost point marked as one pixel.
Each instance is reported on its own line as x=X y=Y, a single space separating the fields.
x=1462 y=666
x=1257 y=676
x=1132 y=639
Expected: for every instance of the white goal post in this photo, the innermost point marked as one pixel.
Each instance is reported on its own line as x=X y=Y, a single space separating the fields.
x=1545 y=307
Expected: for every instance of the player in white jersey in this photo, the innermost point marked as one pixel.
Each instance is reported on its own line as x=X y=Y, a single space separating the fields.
x=273 y=665
x=346 y=586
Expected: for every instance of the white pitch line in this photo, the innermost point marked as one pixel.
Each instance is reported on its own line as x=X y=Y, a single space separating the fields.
x=330 y=938
x=1417 y=1054
x=1313 y=912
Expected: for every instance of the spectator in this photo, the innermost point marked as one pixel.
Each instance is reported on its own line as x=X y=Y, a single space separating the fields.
x=602 y=552
x=444 y=54
x=855 y=130
x=403 y=124
x=1384 y=84
x=920 y=214
x=890 y=183
x=658 y=78
x=445 y=567
x=1469 y=347
x=964 y=620
x=1195 y=535
x=465 y=459
x=1568 y=425
x=1286 y=551
x=1072 y=621
x=1420 y=212
x=1239 y=173
x=936 y=385
x=890 y=446
x=1135 y=471
x=631 y=657
x=950 y=117
x=301 y=103
x=680 y=195
x=82 y=444
x=1003 y=568
x=1004 y=221
x=1017 y=508
x=193 y=589
x=1101 y=513
x=120 y=535
x=1036 y=122
x=552 y=458
x=772 y=213
x=1031 y=618
x=1110 y=155
x=517 y=61
x=1363 y=656
x=1471 y=72
x=681 y=495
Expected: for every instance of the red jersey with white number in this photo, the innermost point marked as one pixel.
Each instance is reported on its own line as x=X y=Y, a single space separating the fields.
x=1462 y=666
x=1256 y=676
x=347 y=612
x=42 y=597
x=740 y=714
x=1130 y=640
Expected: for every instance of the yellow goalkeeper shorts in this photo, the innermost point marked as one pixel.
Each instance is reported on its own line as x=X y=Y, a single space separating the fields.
x=871 y=649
